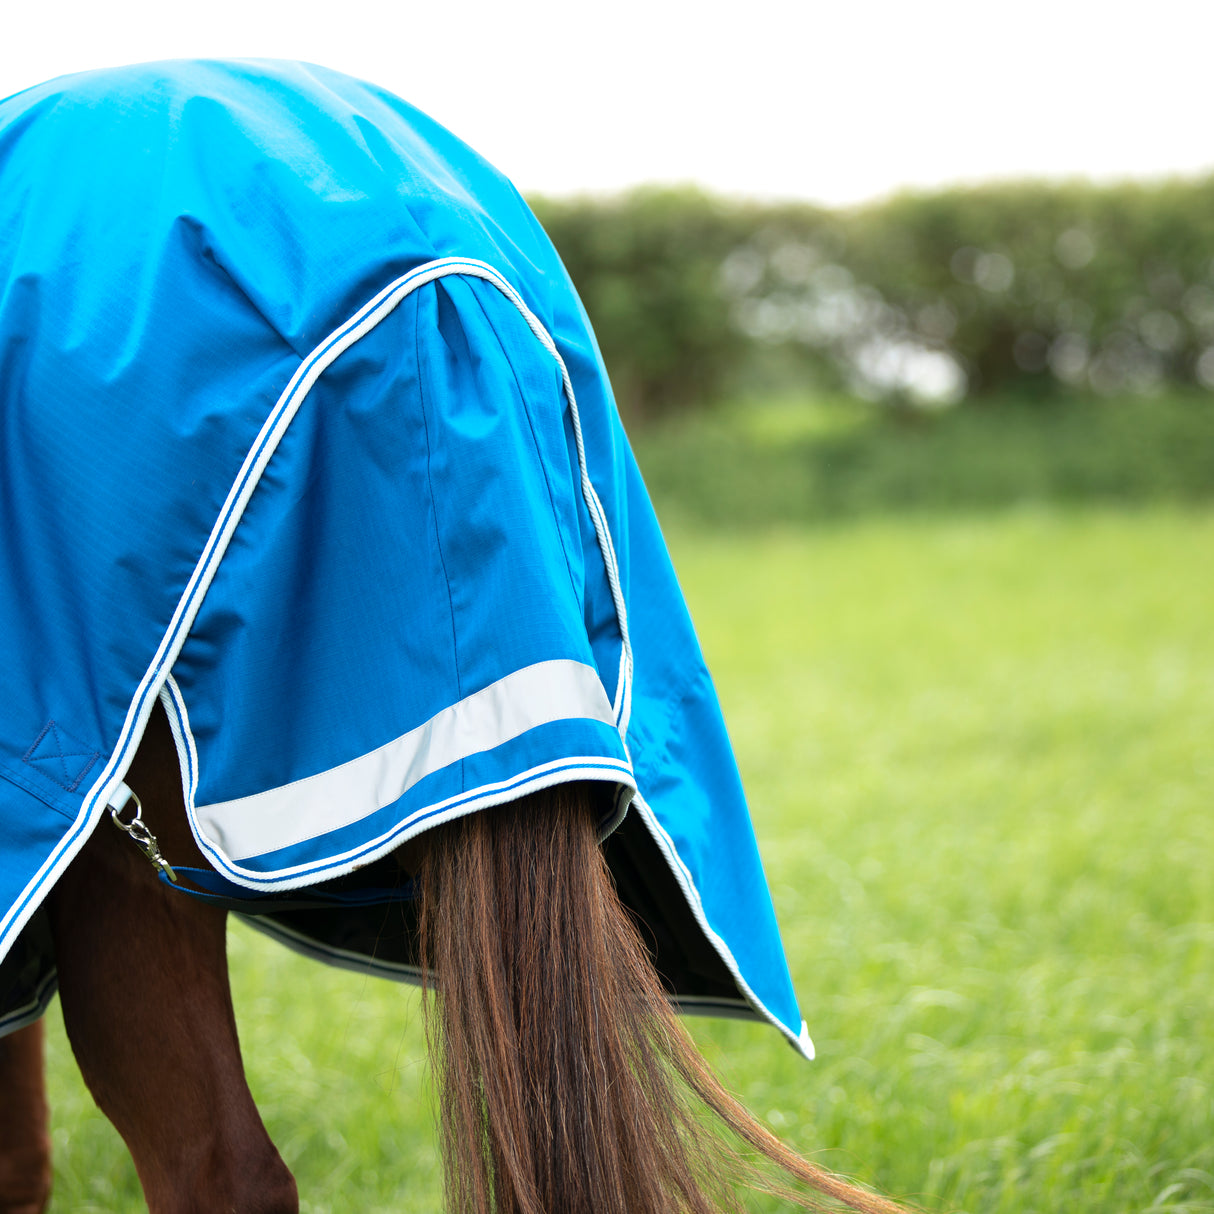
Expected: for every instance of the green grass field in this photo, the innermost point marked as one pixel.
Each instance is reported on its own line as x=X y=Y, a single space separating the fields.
x=978 y=751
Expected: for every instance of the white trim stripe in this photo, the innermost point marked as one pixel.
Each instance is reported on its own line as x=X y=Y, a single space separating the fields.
x=331 y=800
x=561 y=771
x=585 y=767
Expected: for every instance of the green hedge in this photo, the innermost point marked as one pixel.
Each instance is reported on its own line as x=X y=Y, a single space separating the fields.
x=923 y=298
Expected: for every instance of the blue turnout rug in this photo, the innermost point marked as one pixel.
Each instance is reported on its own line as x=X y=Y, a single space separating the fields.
x=306 y=437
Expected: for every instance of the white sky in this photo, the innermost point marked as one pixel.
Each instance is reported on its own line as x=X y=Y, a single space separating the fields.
x=829 y=101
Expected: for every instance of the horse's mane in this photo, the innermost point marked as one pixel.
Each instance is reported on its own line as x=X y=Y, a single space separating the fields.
x=566 y=1084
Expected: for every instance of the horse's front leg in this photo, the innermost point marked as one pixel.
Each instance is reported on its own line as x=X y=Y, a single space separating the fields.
x=25 y=1145
x=143 y=980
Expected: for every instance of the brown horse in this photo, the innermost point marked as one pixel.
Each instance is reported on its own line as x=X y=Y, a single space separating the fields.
x=564 y=1076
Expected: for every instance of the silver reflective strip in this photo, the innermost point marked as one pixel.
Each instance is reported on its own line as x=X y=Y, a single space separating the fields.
x=536 y=695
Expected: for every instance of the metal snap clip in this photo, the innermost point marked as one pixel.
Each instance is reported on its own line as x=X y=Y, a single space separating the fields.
x=138 y=831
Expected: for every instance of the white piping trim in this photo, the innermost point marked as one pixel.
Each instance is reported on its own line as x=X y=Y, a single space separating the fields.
x=624 y=707
x=183 y=736
x=330 y=800
x=800 y=1041
x=617 y=704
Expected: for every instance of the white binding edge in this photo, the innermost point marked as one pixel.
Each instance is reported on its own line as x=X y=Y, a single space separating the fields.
x=801 y=1041
x=331 y=865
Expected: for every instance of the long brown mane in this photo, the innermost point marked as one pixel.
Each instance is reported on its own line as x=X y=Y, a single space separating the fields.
x=566 y=1084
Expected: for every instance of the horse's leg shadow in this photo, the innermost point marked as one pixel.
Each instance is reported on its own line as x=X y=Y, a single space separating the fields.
x=143 y=981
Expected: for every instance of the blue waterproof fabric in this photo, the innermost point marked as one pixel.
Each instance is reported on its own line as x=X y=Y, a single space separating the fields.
x=305 y=432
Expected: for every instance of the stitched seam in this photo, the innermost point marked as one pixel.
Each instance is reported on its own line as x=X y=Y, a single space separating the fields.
x=62 y=755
